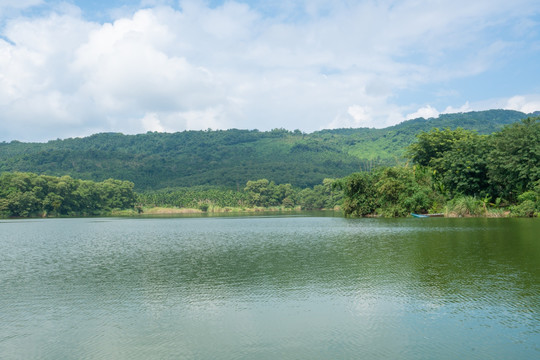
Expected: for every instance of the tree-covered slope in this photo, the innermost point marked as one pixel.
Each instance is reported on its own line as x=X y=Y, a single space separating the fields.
x=232 y=157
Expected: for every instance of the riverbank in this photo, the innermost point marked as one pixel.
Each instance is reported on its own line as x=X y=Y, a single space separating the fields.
x=210 y=210
x=157 y=210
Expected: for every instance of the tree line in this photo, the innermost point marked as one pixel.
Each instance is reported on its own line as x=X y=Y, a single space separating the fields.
x=32 y=195
x=256 y=193
x=230 y=158
x=28 y=194
x=456 y=171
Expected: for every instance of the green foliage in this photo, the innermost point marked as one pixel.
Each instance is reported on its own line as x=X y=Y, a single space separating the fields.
x=230 y=158
x=526 y=208
x=431 y=146
x=389 y=191
x=458 y=159
x=402 y=190
x=463 y=168
x=502 y=165
x=323 y=196
x=256 y=193
x=204 y=207
x=514 y=159
x=465 y=206
x=266 y=193
x=261 y=192
x=200 y=197
x=203 y=169
x=359 y=194
x=528 y=203
x=28 y=194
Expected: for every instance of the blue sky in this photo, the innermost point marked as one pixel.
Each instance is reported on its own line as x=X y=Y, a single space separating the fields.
x=73 y=68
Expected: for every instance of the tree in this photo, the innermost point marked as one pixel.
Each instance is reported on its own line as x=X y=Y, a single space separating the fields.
x=463 y=169
x=401 y=190
x=359 y=194
x=117 y=194
x=431 y=146
x=23 y=204
x=259 y=192
x=310 y=198
x=389 y=191
x=27 y=194
x=514 y=159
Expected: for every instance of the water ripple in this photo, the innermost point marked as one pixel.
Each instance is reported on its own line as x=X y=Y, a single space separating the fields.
x=278 y=287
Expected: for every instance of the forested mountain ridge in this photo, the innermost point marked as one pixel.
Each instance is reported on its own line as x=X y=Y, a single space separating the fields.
x=232 y=157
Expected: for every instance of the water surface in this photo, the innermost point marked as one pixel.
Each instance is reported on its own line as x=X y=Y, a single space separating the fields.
x=270 y=287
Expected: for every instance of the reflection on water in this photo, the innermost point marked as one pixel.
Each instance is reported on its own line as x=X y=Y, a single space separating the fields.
x=270 y=287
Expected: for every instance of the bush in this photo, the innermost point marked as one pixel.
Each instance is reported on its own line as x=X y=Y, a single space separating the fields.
x=526 y=209
x=528 y=205
x=204 y=207
x=465 y=206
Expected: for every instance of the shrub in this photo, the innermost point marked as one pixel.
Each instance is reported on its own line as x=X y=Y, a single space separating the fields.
x=526 y=209
x=528 y=204
x=465 y=206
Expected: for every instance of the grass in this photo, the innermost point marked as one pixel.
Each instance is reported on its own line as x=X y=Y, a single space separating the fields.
x=211 y=209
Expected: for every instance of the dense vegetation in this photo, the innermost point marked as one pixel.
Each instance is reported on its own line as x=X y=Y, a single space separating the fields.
x=27 y=194
x=455 y=170
x=256 y=193
x=230 y=158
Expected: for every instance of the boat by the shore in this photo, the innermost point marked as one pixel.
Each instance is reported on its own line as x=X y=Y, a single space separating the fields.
x=426 y=215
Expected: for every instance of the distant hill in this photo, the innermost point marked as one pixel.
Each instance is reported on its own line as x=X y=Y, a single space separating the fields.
x=232 y=157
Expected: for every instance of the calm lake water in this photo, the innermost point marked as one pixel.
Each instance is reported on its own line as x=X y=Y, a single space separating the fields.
x=276 y=287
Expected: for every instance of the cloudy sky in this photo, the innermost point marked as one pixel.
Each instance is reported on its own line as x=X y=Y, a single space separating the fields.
x=74 y=68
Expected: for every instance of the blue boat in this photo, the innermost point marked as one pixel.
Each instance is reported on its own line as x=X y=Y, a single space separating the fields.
x=426 y=215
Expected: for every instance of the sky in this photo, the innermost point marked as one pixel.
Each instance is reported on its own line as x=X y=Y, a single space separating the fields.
x=75 y=68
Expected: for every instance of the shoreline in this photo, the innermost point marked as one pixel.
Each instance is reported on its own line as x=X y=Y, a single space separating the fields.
x=158 y=210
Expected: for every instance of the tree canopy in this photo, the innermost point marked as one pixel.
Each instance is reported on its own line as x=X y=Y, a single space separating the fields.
x=459 y=167
x=230 y=158
x=28 y=194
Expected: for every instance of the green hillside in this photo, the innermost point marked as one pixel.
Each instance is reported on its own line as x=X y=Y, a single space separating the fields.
x=232 y=157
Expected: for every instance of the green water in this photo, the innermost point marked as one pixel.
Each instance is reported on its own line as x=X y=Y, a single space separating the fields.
x=291 y=287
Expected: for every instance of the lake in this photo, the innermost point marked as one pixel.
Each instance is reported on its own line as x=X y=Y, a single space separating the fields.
x=269 y=287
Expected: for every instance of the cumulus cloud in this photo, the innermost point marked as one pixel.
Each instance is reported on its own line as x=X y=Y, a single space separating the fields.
x=429 y=111
x=356 y=116
x=306 y=65
x=527 y=104
x=463 y=108
x=425 y=112
x=365 y=116
x=151 y=122
x=128 y=69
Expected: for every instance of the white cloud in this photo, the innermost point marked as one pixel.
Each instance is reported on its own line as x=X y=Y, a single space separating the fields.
x=359 y=114
x=452 y=110
x=202 y=120
x=151 y=122
x=527 y=104
x=128 y=69
x=382 y=115
x=310 y=66
x=356 y=116
x=425 y=112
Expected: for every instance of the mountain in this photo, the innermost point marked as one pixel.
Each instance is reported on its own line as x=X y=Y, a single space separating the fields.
x=232 y=157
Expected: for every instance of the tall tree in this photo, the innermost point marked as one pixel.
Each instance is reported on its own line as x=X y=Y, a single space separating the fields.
x=514 y=159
